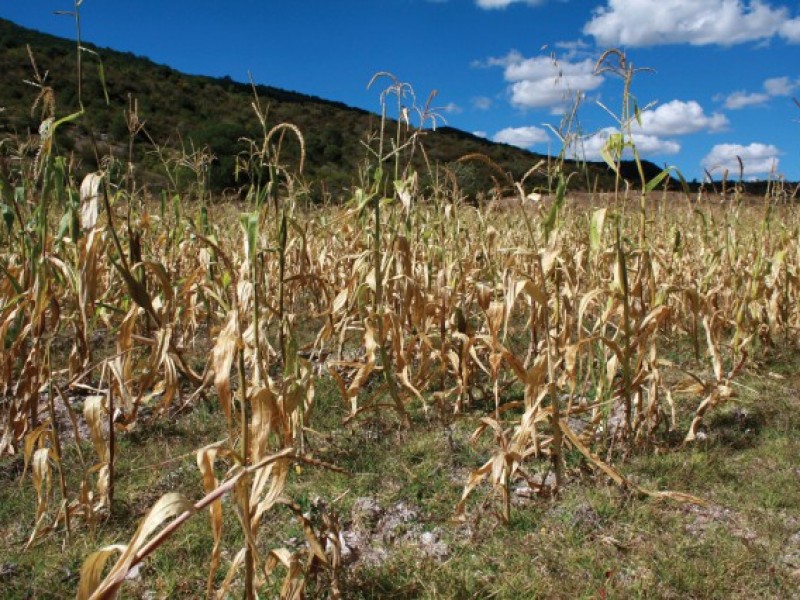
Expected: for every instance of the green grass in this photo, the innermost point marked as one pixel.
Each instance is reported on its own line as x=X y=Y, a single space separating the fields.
x=593 y=541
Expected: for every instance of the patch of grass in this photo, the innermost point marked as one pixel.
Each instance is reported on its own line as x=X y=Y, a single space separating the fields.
x=594 y=540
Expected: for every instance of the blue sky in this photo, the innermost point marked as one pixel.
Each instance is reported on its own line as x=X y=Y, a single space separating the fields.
x=724 y=72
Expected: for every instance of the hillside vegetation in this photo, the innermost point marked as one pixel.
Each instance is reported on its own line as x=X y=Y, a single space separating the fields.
x=190 y=113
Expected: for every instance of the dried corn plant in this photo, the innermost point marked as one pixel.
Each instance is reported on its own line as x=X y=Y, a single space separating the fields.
x=549 y=325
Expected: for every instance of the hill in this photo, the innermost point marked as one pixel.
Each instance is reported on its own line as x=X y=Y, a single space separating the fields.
x=188 y=112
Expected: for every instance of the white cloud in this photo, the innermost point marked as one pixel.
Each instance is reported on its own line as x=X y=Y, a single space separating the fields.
x=696 y=22
x=541 y=81
x=775 y=86
x=651 y=144
x=757 y=158
x=738 y=100
x=674 y=118
x=512 y=57
x=790 y=30
x=680 y=118
x=523 y=137
x=573 y=46
x=451 y=108
x=482 y=102
x=480 y=134
x=780 y=86
x=493 y=4
x=645 y=144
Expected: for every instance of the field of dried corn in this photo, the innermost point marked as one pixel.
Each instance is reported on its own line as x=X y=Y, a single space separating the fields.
x=405 y=396
x=572 y=337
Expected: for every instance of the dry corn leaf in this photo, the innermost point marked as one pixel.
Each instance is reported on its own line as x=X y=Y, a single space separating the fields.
x=205 y=463
x=222 y=360
x=168 y=506
x=90 y=196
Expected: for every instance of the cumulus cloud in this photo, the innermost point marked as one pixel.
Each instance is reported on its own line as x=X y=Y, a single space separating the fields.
x=790 y=30
x=696 y=22
x=680 y=118
x=780 y=86
x=758 y=159
x=480 y=134
x=646 y=144
x=674 y=118
x=541 y=81
x=493 y=4
x=523 y=137
x=776 y=86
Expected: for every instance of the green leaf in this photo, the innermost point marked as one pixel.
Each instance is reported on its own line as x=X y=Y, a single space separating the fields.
x=176 y=207
x=361 y=199
x=655 y=181
x=8 y=216
x=291 y=367
x=163 y=208
x=63 y=226
x=612 y=150
x=552 y=216
x=637 y=113
x=100 y=71
x=63 y=120
x=282 y=233
x=596 y=229
x=102 y=75
x=250 y=226
x=684 y=184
